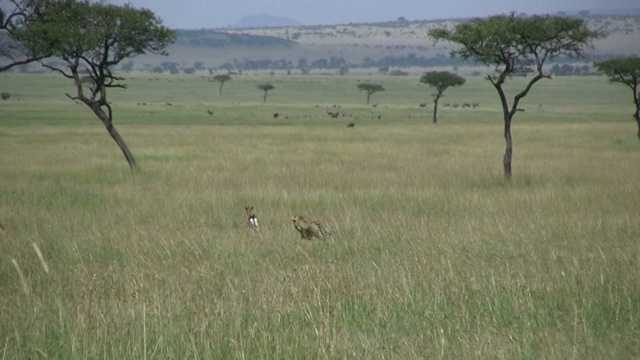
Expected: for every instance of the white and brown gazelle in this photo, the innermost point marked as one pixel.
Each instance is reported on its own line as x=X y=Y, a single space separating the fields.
x=252 y=220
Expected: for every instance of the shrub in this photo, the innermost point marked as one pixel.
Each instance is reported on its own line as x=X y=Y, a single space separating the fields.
x=5 y=95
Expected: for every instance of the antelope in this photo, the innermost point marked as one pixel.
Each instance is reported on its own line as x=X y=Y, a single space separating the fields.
x=252 y=220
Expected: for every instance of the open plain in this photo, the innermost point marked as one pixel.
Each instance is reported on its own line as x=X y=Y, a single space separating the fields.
x=432 y=253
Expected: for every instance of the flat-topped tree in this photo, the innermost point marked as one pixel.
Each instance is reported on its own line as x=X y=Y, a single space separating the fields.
x=441 y=81
x=625 y=71
x=91 y=39
x=266 y=87
x=520 y=46
x=222 y=78
x=370 y=89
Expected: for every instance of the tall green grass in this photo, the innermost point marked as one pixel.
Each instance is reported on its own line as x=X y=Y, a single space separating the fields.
x=432 y=254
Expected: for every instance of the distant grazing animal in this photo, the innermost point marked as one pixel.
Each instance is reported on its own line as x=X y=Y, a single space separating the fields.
x=333 y=114
x=252 y=220
x=309 y=229
x=351 y=125
x=423 y=104
x=209 y=112
x=276 y=115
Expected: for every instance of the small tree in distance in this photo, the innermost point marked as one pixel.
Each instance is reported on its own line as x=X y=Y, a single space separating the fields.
x=223 y=78
x=441 y=81
x=265 y=87
x=370 y=89
x=625 y=71
x=517 y=45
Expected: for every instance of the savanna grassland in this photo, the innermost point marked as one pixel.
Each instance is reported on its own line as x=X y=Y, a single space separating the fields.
x=432 y=253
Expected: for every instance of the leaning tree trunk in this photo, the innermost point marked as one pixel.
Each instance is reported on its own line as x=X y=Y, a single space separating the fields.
x=637 y=117
x=115 y=135
x=508 y=152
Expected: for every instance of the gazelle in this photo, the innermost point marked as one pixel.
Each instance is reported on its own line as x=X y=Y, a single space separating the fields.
x=252 y=220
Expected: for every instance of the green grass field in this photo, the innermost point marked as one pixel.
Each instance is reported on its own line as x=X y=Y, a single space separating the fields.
x=432 y=254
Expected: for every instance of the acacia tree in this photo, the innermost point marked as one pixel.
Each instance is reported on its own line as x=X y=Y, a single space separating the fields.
x=222 y=78
x=370 y=89
x=13 y=20
x=265 y=87
x=441 y=81
x=625 y=71
x=517 y=45
x=91 y=39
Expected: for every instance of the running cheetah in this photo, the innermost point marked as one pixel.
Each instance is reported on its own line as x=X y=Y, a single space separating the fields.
x=309 y=229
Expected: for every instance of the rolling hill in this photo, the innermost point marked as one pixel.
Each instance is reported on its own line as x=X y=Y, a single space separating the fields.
x=352 y=48
x=401 y=43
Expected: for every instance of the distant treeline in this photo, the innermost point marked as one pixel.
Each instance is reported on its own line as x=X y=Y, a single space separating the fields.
x=562 y=66
x=211 y=38
x=335 y=62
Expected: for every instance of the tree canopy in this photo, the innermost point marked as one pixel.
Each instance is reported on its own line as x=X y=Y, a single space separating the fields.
x=622 y=70
x=221 y=78
x=369 y=88
x=265 y=87
x=441 y=81
x=14 y=20
x=625 y=71
x=518 y=43
x=517 y=46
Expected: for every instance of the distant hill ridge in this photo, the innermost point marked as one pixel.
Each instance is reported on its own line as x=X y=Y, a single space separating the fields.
x=400 y=36
x=401 y=44
x=265 y=20
x=617 y=12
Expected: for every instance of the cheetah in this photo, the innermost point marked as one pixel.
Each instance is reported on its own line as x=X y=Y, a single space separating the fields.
x=309 y=229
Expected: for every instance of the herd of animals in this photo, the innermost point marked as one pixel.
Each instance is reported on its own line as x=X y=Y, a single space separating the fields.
x=335 y=114
x=307 y=229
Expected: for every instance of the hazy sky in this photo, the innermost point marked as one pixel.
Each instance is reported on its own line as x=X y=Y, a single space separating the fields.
x=195 y=14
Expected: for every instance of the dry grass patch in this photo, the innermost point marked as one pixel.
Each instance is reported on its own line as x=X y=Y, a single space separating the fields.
x=432 y=253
